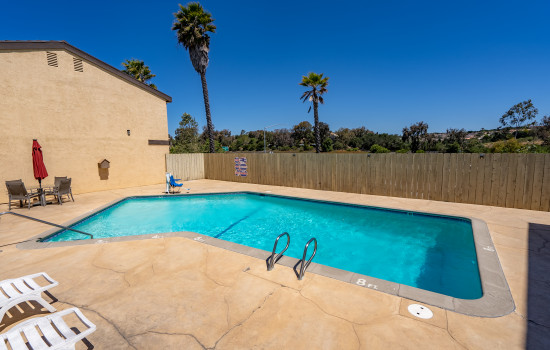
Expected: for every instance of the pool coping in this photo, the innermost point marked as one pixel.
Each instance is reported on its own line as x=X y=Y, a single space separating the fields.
x=496 y=301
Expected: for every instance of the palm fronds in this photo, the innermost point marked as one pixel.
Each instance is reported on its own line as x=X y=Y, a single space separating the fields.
x=138 y=70
x=192 y=25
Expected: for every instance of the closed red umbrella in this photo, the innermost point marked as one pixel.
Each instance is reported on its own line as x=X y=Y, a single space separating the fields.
x=38 y=166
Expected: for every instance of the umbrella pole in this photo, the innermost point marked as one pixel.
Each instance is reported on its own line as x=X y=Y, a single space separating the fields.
x=40 y=183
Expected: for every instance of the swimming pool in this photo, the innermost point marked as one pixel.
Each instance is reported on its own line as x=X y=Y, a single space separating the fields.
x=431 y=252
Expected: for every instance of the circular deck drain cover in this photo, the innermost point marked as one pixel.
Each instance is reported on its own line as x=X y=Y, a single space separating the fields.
x=420 y=311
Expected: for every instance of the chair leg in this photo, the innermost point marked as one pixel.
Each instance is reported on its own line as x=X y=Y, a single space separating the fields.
x=9 y=205
x=71 y=192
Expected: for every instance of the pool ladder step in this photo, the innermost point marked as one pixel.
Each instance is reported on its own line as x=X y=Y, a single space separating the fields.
x=272 y=260
x=303 y=264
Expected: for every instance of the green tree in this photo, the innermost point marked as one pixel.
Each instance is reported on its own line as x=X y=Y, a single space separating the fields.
x=455 y=140
x=327 y=145
x=318 y=86
x=543 y=131
x=343 y=137
x=139 y=71
x=192 y=25
x=302 y=132
x=456 y=135
x=324 y=131
x=391 y=142
x=415 y=134
x=282 y=139
x=520 y=115
x=186 y=139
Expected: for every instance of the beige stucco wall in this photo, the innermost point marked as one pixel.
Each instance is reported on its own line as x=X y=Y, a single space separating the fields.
x=79 y=119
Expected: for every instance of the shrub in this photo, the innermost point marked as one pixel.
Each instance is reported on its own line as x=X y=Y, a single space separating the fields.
x=420 y=151
x=379 y=149
x=536 y=148
x=326 y=146
x=508 y=146
x=474 y=146
x=338 y=145
x=453 y=148
x=402 y=151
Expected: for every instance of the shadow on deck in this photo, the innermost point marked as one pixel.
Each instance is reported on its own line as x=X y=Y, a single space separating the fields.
x=538 y=295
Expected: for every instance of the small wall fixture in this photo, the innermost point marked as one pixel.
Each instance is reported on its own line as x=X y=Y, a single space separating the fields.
x=482 y=155
x=104 y=164
x=128 y=132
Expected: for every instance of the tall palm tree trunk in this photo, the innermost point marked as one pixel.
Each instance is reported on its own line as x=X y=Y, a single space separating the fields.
x=316 y=127
x=209 y=125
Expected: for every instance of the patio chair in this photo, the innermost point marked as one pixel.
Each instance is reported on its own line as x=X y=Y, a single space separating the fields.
x=63 y=189
x=18 y=191
x=57 y=180
x=56 y=334
x=174 y=184
x=18 y=290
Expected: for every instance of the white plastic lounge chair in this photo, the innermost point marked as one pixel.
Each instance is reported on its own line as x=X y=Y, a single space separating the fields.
x=19 y=290
x=56 y=333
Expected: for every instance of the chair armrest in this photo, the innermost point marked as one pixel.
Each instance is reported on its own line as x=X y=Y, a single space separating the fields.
x=51 y=281
x=91 y=327
x=49 y=190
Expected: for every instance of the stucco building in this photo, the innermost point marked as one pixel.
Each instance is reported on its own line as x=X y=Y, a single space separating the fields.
x=82 y=111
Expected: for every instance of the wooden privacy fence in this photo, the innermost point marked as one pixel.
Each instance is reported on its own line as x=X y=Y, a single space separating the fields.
x=186 y=166
x=504 y=180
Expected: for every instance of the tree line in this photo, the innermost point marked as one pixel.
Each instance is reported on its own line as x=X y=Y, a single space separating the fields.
x=519 y=132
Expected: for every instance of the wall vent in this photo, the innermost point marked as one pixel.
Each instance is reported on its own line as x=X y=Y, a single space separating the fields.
x=78 y=67
x=52 y=59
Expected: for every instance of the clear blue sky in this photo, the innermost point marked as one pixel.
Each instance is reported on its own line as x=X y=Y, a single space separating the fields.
x=390 y=63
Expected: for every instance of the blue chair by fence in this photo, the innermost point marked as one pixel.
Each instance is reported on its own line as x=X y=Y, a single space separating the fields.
x=173 y=184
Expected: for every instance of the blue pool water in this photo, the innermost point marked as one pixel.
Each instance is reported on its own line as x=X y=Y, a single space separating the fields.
x=430 y=252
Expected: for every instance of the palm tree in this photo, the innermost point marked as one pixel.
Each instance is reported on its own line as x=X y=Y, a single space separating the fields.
x=318 y=86
x=139 y=71
x=192 y=25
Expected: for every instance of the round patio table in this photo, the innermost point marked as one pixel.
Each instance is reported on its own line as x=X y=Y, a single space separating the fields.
x=42 y=193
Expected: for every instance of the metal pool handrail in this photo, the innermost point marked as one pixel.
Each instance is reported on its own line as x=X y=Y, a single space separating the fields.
x=305 y=265
x=47 y=223
x=274 y=258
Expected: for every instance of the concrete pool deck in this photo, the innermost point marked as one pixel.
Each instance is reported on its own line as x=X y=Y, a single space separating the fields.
x=179 y=293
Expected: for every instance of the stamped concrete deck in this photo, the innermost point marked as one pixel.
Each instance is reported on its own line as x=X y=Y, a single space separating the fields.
x=179 y=293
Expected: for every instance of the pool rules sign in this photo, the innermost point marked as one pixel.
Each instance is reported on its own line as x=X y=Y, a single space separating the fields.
x=241 y=168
